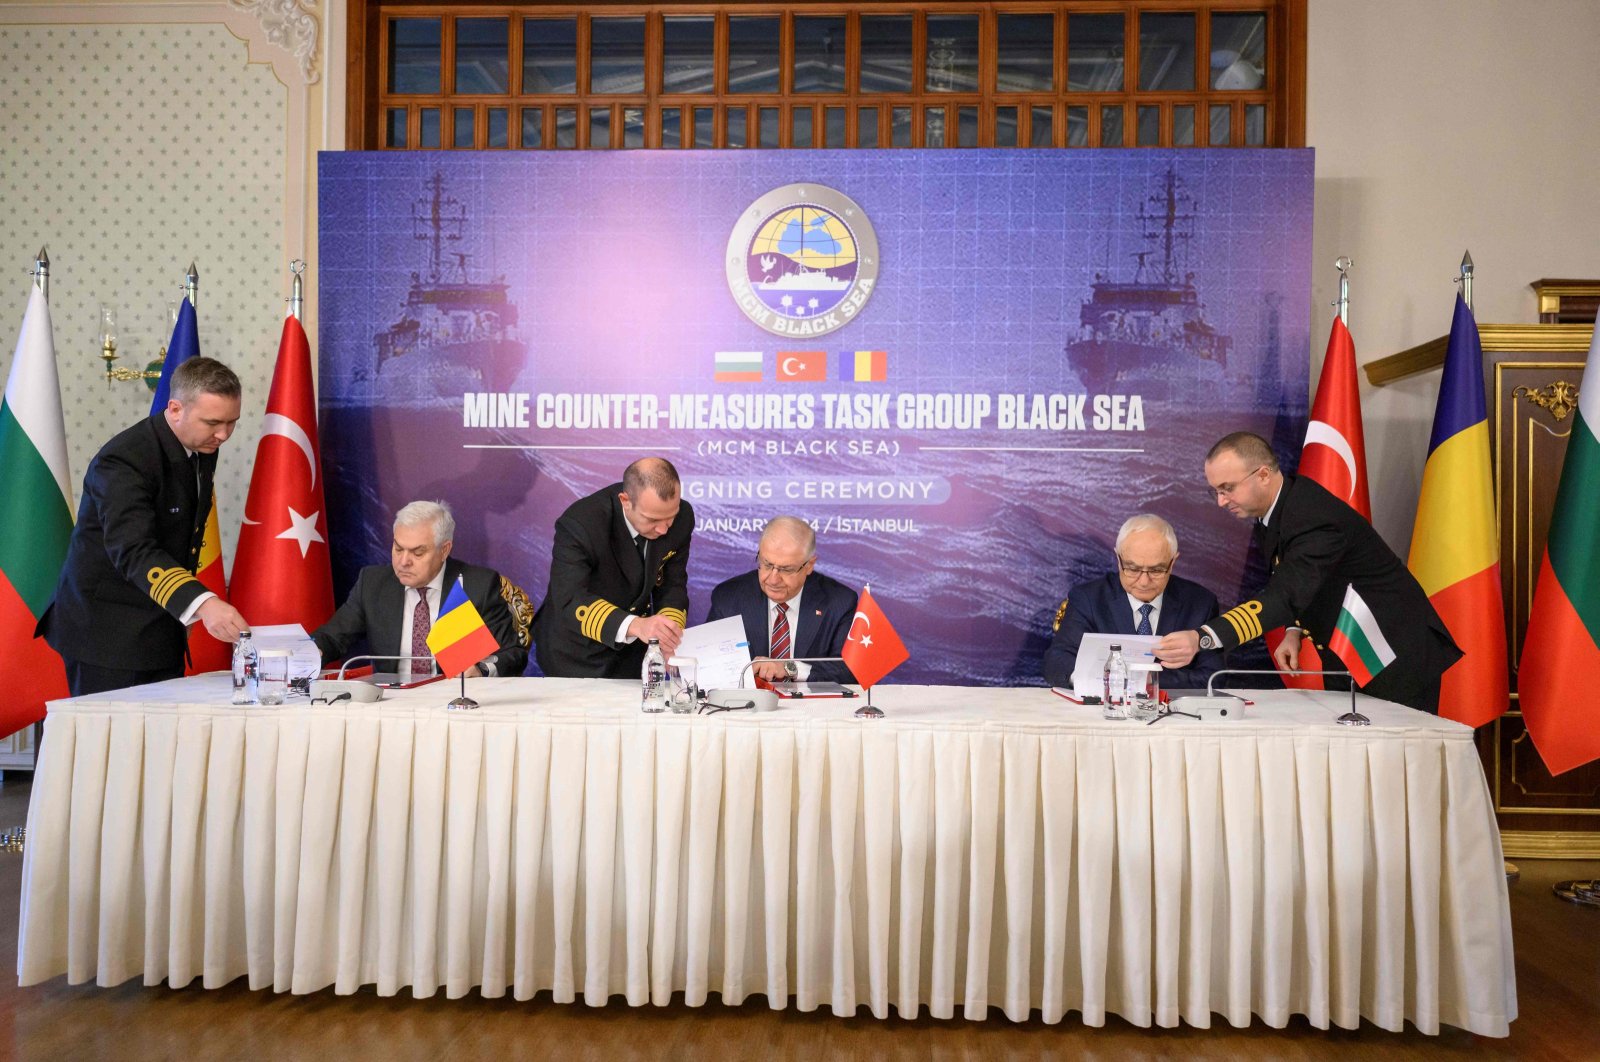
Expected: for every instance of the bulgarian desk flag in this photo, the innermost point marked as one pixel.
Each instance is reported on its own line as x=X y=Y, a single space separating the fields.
x=1335 y=457
x=1357 y=640
x=35 y=519
x=459 y=638
x=1455 y=545
x=205 y=652
x=872 y=649
x=281 y=572
x=1561 y=650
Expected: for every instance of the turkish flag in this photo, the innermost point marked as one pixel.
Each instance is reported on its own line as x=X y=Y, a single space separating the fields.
x=872 y=649
x=802 y=366
x=281 y=572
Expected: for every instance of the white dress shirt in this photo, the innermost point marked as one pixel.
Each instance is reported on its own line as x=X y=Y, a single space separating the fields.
x=435 y=589
x=1155 y=610
x=801 y=671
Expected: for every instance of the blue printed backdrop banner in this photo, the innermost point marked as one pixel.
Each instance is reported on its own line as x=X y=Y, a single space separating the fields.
x=965 y=368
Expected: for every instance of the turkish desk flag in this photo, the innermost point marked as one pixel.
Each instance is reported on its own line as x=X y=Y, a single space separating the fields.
x=281 y=572
x=872 y=649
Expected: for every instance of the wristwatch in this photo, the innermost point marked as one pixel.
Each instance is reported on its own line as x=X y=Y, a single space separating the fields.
x=792 y=669
x=1206 y=641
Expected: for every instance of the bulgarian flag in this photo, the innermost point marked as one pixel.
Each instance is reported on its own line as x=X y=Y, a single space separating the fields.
x=1358 y=641
x=459 y=638
x=1561 y=650
x=35 y=520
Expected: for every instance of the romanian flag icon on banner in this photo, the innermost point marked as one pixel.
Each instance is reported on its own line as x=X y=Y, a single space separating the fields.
x=866 y=366
x=459 y=637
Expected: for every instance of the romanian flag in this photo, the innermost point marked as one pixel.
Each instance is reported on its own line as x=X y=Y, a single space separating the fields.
x=205 y=652
x=1561 y=651
x=35 y=519
x=458 y=638
x=738 y=366
x=872 y=649
x=1455 y=545
x=866 y=366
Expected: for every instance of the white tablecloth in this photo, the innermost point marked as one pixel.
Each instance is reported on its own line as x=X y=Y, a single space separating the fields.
x=989 y=848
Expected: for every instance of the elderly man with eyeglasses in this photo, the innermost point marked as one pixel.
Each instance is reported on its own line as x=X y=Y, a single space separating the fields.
x=1141 y=597
x=789 y=608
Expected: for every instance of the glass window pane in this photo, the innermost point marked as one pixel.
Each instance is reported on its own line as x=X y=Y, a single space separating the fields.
x=671 y=127
x=1077 y=127
x=967 y=126
x=1149 y=126
x=1005 y=127
x=705 y=127
x=753 y=54
x=1221 y=125
x=1111 y=126
x=769 y=129
x=396 y=136
x=834 y=127
x=886 y=54
x=1238 y=50
x=1095 y=53
x=688 y=56
x=428 y=134
x=483 y=55
x=533 y=127
x=461 y=135
x=1183 y=125
x=497 y=126
x=737 y=137
x=800 y=127
x=599 y=127
x=633 y=127
x=1041 y=132
x=900 y=126
x=1027 y=53
x=616 y=55
x=819 y=53
x=414 y=55
x=566 y=127
x=867 y=127
x=933 y=127
x=952 y=55
x=550 y=56
x=1166 y=52
x=1255 y=125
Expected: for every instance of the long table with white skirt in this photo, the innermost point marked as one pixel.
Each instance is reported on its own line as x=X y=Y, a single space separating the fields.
x=987 y=848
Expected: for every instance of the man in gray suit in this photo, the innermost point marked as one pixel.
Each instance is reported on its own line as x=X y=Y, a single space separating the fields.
x=392 y=607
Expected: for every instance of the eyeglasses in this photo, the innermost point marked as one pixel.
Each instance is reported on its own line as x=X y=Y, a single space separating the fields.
x=1227 y=489
x=785 y=570
x=1135 y=571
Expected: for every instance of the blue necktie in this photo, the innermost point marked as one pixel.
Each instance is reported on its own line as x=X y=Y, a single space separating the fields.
x=1144 y=620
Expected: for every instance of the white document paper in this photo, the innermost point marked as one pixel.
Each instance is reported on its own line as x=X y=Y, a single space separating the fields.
x=720 y=650
x=305 y=659
x=1088 y=674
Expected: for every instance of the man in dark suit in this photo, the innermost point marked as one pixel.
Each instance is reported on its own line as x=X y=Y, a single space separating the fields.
x=1141 y=597
x=1318 y=547
x=127 y=591
x=619 y=576
x=789 y=608
x=393 y=606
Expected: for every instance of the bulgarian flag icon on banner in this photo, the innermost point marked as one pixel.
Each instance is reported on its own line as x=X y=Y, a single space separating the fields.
x=1358 y=641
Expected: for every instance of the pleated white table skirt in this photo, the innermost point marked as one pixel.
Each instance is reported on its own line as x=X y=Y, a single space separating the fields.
x=980 y=847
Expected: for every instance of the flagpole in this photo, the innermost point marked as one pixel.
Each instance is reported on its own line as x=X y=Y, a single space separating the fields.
x=1343 y=264
x=296 y=297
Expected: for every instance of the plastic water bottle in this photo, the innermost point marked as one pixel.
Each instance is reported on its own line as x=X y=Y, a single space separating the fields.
x=246 y=666
x=1116 y=685
x=654 y=678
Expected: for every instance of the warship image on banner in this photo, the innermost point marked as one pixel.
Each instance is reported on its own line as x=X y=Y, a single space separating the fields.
x=454 y=334
x=1132 y=329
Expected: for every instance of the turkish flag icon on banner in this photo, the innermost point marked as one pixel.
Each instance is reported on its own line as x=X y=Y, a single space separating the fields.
x=872 y=649
x=281 y=572
x=802 y=366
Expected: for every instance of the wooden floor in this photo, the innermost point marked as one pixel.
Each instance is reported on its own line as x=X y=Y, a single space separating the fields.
x=1558 y=986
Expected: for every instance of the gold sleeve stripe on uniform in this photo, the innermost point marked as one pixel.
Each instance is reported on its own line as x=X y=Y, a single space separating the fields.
x=164 y=582
x=676 y=615
x=1061 y=614
x=592 y=618
x=1245 y=620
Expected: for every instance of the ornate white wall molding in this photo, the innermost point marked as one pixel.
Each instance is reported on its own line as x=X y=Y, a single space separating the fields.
x=291 y=25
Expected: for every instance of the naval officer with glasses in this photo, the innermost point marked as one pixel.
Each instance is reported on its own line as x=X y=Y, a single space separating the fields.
x=1141 y=597
x=789 y=608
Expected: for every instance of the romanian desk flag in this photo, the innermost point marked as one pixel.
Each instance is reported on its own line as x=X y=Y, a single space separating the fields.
x=738 y=366
x=796 y=366
x=281 y=571
x=205 y=652
x=866 y=366
x=1335 y=457
x=459 y=638
x=1357 y=640
x=35 y=519
x=1455 y=545
x=872 y=649
x=1561 y=650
